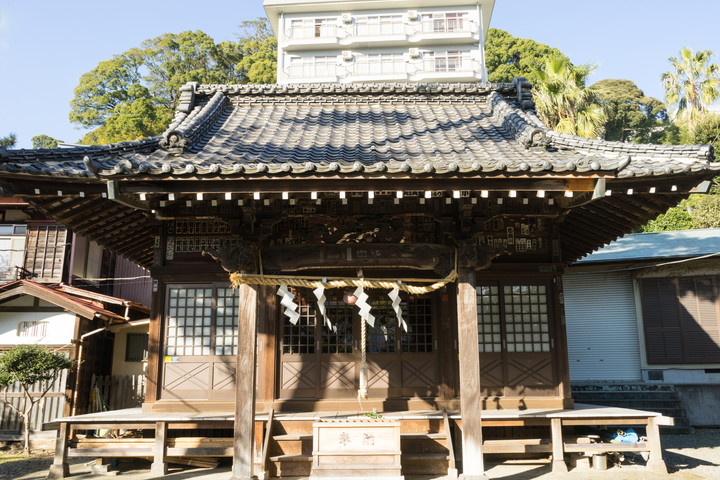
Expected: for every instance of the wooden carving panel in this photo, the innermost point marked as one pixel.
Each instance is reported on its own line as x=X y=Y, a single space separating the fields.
x=491 y=374
x=337 y=376
x=383 y=375
x=419 y=375
x=299 y=379
x=223 y=381
x=189 y=380
x=530 y=373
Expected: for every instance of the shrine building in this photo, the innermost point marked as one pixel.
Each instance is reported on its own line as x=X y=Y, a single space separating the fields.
x=321 y=251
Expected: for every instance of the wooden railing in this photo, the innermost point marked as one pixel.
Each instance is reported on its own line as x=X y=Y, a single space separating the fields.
x=115 y=392
x=49 y=408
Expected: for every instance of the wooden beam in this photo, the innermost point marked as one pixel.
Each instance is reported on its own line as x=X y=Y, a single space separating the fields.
x=245 y=384
x=116 y=195
x=358 y=184
x=470 y=395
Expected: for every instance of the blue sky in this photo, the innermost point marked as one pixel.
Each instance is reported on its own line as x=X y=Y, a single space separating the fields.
x=45 y=46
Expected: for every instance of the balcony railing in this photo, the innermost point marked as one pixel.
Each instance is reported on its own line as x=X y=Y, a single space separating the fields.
x=312 y=70
x=445 y=64
x=448 y=25
x=372 y=29
x=380 y=68
x=309 y=31
x=364 y=28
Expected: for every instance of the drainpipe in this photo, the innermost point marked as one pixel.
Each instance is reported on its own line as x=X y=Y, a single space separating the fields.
x=80 y=350
x=71 y=262
x=79 y=363
x=481 y=44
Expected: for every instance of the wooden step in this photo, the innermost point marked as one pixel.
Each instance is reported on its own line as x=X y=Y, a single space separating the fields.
x=292 y=437
x=424 y=463
x=290 y=465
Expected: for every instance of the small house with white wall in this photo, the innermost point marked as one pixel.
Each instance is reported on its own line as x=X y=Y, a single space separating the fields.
x=645 y=309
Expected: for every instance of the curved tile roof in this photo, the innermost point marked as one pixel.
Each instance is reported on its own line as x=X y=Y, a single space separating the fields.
x=332 y=129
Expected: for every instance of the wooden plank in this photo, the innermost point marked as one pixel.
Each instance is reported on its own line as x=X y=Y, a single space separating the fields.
x=606 y=447
x=194 y=462
x=245 y=383
x=266 y=442
x=605 y=421
x=452 y=468
x=470 y=395
x=111 y=452
x=217 y=451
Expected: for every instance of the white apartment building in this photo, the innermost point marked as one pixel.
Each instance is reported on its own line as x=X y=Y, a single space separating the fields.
x=343 y=41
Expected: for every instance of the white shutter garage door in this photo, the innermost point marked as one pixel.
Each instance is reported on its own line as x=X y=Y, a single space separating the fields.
x=601 y=327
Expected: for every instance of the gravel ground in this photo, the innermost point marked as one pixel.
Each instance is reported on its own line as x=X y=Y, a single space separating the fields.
x=688 y=457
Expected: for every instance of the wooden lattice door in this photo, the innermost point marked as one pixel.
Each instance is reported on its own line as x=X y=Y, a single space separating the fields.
x=323 y=361
x=201 y=328
x=515 y=339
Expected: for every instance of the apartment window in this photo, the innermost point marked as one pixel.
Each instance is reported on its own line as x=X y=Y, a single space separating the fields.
x=381 y=63
x=448 y=61
x=379 y=25
x=317 y=66
x=32 y=329
x=313 y=28
x=136 y=347
x=448 y=22
x=514 y=315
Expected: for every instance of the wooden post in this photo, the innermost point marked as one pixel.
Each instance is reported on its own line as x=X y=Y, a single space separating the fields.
x=60 y=468
x=155 y=332
x=655 y=462
x=159 y=466
x=245 y=384
x=558 y=449
x=470 y=404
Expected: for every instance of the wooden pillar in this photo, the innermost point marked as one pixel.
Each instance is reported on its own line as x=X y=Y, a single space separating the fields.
x=155 y=334
x=470 y=397
x=655 y=462
x=60 y=468
x=159 y=466
x=245 y=384
x=558 y=448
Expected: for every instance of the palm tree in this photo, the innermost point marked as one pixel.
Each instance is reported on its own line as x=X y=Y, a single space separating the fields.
x=563 y=102
x=692 y=86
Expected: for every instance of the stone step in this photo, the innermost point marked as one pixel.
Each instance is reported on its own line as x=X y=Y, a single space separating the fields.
x=621 y=387
x=639 y=404
x=586 y=396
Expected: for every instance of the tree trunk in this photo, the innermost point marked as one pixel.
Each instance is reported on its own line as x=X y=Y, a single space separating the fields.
x=26 y=424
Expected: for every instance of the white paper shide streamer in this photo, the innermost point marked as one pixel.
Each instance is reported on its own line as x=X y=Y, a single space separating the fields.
x=320 y=295
x=287 y=301
x=364 y=307
x=395 y=298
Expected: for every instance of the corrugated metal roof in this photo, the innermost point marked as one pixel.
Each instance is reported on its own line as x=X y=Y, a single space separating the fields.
x=646 y=246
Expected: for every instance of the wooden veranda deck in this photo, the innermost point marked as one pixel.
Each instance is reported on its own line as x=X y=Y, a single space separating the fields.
x=163 y=448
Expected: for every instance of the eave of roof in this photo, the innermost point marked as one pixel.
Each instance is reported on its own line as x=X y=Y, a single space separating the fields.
x=656 y=246
x=80 y=303
x=374 y=130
